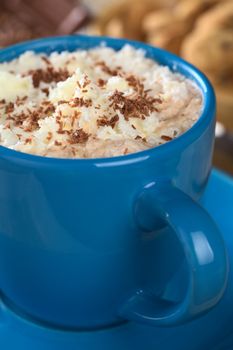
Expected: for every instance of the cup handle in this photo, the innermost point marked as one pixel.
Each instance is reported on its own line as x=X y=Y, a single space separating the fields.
x=204 y=251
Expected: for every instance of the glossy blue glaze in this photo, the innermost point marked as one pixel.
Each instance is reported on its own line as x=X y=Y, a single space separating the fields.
x=213 y=331
x=78 y=250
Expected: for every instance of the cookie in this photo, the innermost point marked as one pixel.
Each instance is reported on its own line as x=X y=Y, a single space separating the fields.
x=169 y=37
x=124 y=18
x=165 y=30
x=190 y=10
x=168 y=27
x=220 y=16
x=114 y=28
x=225 y=106
x=210 y=47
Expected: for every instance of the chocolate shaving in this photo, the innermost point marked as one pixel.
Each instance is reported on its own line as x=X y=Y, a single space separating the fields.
x=74 y=117
x=47 y=75
x=7 y=126
x=45 y=103
x=107 y=69
x=46 y=91
x=140 y=138
x=49 y=109
x=57 y=143
x=166 y=138
x=78 y=136
x=20 y=100
x=80 y=102
x=61 y=102
x=9 y=108
x=139 y=107
x=28 y=120
x=86 y=82
x=46 y=60
x=104 y=121
x=139 y=88
x=101 y=82
x=136 y=84
x=49 y=136
x=28 y=140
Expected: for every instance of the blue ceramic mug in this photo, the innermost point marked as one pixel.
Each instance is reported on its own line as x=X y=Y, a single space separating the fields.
x=89 y=243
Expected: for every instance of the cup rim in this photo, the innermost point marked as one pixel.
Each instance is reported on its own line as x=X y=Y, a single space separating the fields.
x=162 y=56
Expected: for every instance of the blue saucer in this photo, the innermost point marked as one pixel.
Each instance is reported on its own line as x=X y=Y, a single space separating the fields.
x=213 y=331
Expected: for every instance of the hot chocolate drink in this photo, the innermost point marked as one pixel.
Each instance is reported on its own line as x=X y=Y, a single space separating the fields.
x=95 y=103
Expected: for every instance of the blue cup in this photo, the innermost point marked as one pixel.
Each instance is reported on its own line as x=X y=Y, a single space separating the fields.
x=91 y=243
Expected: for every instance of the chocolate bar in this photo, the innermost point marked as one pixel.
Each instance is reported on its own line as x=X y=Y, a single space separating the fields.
x=25 y=19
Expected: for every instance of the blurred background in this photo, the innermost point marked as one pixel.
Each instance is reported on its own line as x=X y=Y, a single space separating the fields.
x=201 y=31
